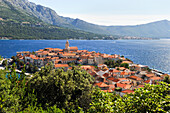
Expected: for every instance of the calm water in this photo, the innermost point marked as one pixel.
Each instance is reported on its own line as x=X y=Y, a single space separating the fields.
x=154 y=53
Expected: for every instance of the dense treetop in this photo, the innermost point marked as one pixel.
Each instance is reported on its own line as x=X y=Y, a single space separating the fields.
x=52 y=90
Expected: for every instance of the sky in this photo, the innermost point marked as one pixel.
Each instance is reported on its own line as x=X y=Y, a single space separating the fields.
x=111 y=12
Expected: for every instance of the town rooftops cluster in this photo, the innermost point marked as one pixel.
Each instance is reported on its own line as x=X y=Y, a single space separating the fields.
x=64 y=56
x=123 y=81
x=120 y=79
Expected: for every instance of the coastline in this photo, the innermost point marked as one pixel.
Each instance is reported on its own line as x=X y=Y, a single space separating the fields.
x=102 y=50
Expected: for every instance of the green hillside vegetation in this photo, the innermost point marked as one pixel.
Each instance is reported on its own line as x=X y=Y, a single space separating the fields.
x=11 y=9
x=29 y=31
x=9 y=12
x=19 y=24
x=58 y=91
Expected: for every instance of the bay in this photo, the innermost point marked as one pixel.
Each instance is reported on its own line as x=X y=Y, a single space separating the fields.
x=154 y=53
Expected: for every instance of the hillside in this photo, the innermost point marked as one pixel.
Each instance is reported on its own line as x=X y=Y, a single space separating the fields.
x=20 y=24
x=38 y=14
x=159 y=29
x=155 y=29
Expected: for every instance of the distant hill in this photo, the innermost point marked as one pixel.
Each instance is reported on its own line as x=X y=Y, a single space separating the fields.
x=159 y=29
x=23 y=24
x=154 y=29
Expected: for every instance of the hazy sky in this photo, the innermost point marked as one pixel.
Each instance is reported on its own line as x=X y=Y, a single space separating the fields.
x=111 y=12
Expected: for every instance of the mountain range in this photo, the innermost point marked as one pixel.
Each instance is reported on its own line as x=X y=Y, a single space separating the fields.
x=159 y=29
x=19 y=20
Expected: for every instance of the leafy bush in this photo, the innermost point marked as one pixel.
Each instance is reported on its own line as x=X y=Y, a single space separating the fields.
x=60 y=91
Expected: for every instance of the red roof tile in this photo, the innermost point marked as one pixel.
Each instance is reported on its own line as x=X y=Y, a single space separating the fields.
x=128 y=91
x=61 y=65
x=101 y=84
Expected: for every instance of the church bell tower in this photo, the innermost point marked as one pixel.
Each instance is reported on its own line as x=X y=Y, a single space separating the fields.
x=67 y=48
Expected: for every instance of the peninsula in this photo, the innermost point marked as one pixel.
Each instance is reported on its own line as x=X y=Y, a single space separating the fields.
x=111 y=72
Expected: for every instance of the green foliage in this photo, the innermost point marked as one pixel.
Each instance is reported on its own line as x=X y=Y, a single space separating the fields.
x=71 y=64
x=151 y=98
x=149 y=70
x=12 y=92
x=5 y=63
x=112 y=63
x=102 y=102
x=21 y=24
x=126 y=65
x=1 y=58
x=68 y=90
x=60 y=91
x=167 y=79
x=18 y=31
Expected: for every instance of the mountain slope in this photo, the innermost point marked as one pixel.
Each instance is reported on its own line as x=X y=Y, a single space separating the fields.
x=21 y=24
x=50 y=16
x=8 y=11
x=46 y=14
x=155 y=29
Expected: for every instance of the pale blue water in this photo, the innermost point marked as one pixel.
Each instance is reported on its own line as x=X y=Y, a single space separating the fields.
x=154 y=53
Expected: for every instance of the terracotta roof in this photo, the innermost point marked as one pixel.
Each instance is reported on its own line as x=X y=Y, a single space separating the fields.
x=55 y=58
x=111 y=78
x=128 y=91
x=156 y=78
x=126 y=82
x=73 y=48
x=150 y=75
x=114 y=71
x=135 y=78
x=106 y=75
x=147 y=81
x=128 y=62
x=99 y=65
x=122 y=79
x=127 y=86
x=56 y=61
x=86 y=67
x=101 y=84
x=21 y=58
x=92 y=74
x=70 y=68
x=121 y=85
x=57 y=49
x=124 y=73
x=69 y=54
x=51 y=54
x=111 y=86
x=140 y=86
x=109 y=91
x=121 y=68
x=61 y=65
x=68 y=59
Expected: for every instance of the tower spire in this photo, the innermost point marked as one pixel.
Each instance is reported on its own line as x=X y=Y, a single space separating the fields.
x=67 y=48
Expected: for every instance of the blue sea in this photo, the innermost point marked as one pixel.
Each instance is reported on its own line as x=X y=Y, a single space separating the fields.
x=154 y=53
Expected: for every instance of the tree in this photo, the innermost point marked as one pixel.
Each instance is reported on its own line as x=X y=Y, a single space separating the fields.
x=31 y=68
x=69 y=90
x=151 y=98
x=14 y=58
x=35 y=69
x=5 y=63
x=167 y=79
x=60 y=91
x=102 y=102
x=1 y=58
x=126 y=65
